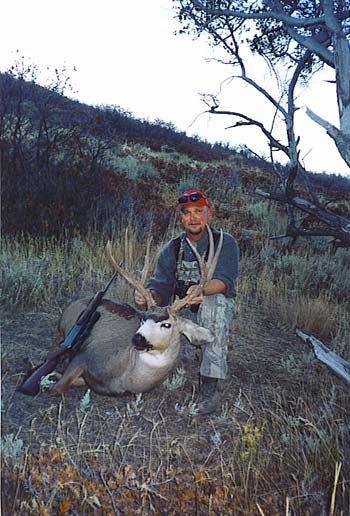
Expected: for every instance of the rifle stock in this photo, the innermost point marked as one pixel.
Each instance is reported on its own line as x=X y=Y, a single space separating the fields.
x=31 y=386
x=73 y=341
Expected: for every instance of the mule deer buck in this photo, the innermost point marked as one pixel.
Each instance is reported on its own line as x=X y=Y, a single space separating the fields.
x=129 y=350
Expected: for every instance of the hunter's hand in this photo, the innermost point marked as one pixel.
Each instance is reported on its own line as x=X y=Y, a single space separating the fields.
x=139 y=299
x=196 y=300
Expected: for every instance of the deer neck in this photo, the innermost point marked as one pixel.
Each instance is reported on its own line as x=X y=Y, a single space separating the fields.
x=160 y=359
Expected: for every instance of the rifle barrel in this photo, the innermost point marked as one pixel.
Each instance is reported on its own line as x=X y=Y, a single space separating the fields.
x=109 y=283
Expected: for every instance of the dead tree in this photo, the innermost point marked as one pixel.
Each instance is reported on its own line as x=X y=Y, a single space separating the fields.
x=317 y=39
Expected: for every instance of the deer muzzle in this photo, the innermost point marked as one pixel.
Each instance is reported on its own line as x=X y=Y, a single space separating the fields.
x=141 y=343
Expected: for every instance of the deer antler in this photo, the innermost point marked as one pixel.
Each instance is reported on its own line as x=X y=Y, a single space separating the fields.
x=207 y=270
x=138 y=285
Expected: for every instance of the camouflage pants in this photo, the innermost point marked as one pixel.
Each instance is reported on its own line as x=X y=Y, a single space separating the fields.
x=216 y=314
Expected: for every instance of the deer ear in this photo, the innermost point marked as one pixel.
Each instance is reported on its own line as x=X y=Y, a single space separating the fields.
x=197 y=335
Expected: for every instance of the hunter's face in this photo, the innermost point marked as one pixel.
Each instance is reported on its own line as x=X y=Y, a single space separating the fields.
x=194 y=219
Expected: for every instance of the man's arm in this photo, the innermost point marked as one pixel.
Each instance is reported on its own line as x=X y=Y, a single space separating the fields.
x=215 y=286
x=227 y=267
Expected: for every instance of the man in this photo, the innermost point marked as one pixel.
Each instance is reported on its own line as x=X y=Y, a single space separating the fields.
x=177 y=272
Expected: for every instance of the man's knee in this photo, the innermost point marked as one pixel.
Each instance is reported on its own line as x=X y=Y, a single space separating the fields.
x=216 y=310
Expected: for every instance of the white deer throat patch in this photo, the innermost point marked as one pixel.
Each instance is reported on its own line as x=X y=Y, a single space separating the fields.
x=155 y=359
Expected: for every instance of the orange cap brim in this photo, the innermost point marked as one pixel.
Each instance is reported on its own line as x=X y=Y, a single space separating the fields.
x=200 y=202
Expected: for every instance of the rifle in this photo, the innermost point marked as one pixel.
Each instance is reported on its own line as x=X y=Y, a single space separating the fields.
x=73 y=342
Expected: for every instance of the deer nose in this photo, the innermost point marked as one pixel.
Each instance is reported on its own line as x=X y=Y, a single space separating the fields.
x=140 y=342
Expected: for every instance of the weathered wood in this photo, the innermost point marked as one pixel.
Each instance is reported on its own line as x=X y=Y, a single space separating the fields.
x=340 y=366
x=336 y=226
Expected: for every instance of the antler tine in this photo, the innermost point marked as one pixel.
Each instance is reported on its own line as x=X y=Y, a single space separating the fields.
x=213 y=262
x=177 y=305
x=207 y=271
x=146 y=264
x=133 y=281
x=126 y=250
x=211 y=244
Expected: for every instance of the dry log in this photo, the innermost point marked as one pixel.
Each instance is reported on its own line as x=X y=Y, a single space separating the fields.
x=340 y=366
x=337 y=226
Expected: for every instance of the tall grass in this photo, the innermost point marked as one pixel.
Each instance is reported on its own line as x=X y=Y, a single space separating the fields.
x=39 y=271
x=301 y=288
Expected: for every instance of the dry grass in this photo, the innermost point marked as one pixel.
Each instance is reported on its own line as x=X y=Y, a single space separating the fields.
x=297 y=293
x=272 y=452
x=279 y=446
x=39 y=271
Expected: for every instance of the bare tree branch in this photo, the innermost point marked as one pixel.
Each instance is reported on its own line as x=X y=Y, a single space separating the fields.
x=279 y=16
x=338 y=365
x=341 y=140
x=250 y=121
x=322 y=36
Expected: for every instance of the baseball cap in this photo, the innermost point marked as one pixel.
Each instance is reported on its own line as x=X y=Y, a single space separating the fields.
x=193 y=198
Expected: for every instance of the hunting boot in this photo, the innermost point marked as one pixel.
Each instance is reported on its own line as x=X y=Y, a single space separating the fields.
x=209 y=395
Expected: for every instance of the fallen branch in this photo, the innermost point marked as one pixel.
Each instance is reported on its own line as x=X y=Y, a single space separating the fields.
x=340 y=366
x=337 y=226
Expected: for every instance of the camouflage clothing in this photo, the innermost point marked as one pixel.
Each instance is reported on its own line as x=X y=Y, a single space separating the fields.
x=215 y=313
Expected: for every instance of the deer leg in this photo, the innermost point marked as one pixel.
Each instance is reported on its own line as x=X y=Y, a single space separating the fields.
x=77 y=382
x=70 y=378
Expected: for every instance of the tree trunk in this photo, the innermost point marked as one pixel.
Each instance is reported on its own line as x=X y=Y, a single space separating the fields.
x=341 y=50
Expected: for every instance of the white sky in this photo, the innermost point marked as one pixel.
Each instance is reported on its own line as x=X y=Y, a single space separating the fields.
x=126 y=54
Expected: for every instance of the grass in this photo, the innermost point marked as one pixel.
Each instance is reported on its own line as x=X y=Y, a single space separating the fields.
x=270 y=460
x=279 y=446
x=40 y=271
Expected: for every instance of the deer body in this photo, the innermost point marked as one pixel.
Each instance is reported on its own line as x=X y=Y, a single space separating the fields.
x=124 y=354
x=132 y=351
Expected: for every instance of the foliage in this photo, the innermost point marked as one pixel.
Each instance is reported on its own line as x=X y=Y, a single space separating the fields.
x=12 y=450
x=134 y=408
x=262 y=26
x=284 y=455
x=276 y=444
x=85 y=402
x=80 y=175
x=64 y=164
x=47 y=381
x=178 y=379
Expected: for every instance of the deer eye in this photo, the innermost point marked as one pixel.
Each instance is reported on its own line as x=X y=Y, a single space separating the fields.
x=166 y=325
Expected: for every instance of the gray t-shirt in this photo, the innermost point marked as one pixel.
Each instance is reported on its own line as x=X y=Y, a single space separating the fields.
x=226 y=270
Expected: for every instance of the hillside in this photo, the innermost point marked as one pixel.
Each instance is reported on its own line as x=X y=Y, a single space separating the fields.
x=72 y=167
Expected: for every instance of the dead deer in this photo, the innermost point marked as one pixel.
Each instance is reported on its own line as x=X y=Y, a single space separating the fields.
x=129 y=350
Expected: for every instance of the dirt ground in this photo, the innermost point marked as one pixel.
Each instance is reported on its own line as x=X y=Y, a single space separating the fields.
x=161 y=438
x=255 y=361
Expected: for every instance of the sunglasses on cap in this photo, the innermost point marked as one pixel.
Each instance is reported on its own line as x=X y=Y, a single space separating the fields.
x=193 y=197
